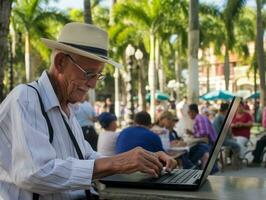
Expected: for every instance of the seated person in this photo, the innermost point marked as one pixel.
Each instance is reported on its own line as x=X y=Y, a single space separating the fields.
x=218 y=123
x=139 y=135
x=198 y=152
x=167 y=120
x=241 y=125
x=107 y=138
x=258 y=152
x=202 y=126
x=261 y=144
x=86 y=117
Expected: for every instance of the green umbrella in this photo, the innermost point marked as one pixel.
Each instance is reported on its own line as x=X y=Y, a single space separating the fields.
x=218 y=94
x=161 y=96
x=255 y=95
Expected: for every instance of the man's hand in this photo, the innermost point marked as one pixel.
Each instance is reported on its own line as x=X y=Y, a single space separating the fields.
x=167 y=160
x=178 y=143
x=137 y=159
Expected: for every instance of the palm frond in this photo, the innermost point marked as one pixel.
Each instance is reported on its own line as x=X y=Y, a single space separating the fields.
x=230 y=13
x=132 y=12
x=33 y=6
x=51 y=15
x=207 y=9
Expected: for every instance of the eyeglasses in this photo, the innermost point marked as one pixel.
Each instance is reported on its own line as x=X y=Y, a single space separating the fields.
x=88 y=75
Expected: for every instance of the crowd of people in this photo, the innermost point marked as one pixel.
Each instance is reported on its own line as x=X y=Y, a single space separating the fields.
x=175 y=124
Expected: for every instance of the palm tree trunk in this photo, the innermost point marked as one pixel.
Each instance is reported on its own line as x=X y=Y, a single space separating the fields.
x=88 y=20
x=5 y=10
x=226 y=68
x=117 y=102
x=116 y=74
x=161 y=77
x=260 y=55
x=13 y=40
x=151 y=75
x=27 y=57
x=193 y=46
x=158 y=65
x=87 y=12
x=111 y=17
x=208 y=65
x=177 y=75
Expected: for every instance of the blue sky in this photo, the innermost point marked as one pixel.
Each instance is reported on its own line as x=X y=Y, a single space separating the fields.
x=63 y=4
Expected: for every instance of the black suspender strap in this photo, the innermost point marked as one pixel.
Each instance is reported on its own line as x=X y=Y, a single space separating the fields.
x=74 y=141
x=51 y=135
x=50 y=128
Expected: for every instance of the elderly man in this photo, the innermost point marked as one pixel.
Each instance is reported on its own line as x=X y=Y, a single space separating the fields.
x=43 y=151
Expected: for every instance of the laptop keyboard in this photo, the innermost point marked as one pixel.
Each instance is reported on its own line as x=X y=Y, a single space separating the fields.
x=180 y=176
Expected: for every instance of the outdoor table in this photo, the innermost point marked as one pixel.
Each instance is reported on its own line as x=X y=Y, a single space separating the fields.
x=216 y=187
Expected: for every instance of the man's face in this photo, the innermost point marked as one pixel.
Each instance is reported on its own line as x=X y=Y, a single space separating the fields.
x=74 y=80
x=240 y=109
x=191 y=114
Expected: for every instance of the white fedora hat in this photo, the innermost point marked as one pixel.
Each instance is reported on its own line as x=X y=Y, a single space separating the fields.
x=83 y=39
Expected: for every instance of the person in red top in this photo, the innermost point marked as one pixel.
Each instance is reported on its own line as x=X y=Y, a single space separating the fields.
x=241 y=126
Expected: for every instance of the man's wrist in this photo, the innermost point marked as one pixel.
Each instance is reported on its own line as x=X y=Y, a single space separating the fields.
x=103 y=167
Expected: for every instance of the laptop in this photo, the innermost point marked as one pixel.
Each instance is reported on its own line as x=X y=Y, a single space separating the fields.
x=179 y=179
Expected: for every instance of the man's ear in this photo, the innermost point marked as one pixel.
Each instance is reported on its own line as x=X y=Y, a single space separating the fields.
x=60 y=61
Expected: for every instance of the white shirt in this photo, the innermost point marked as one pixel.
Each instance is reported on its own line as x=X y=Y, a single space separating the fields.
x=28 y=162
x=107 y=142
x=85 y=113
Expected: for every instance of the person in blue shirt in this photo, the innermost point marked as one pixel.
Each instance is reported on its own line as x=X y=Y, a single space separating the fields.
x=86 y=117
x=139 y=135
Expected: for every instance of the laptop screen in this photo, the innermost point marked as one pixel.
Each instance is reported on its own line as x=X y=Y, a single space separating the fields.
x=220 y=138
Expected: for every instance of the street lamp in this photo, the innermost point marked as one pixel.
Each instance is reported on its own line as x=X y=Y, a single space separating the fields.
x=141 y=78
x=138 y=54
x=130 y=51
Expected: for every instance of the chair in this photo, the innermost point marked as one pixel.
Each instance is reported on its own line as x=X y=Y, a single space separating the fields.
x=264 y=156
x=221 y=158
x=226 y=156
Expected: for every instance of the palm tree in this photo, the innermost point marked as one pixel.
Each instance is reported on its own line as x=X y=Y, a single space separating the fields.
x=88 y=20
x=5 y=10
x=148 y=16
x=211 y=36
x=32 y=21
x=145 y=15
x=228 y=17
x=260 y=52
x=212 y=23
x=229 y=14
x=193 y=45
x=173 y=34
x=87 y=12
x=120 y=36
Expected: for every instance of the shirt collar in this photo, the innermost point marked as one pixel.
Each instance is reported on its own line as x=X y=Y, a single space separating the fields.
x=49 y=97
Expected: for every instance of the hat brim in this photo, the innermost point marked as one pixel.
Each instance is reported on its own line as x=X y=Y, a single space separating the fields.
x=60 y=46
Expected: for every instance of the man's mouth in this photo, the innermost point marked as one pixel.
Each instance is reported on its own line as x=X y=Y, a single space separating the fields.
x=83 y=89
